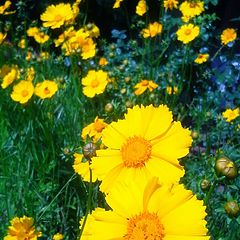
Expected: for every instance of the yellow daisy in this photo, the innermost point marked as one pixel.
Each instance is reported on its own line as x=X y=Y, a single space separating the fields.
x=8 y=75
x=22 y=228
x=56 y=16
x=46 y=89
x=188 y=32
x=22 y=92
x=41 y=37
x=228 y=35
x=170 y=4
x=144 y=85
x=147 y=142
x=94 y=83
x=141 y=7
x=231 y=114
x=148 y=211
x=201 y=58
x=152 y=30
x=191 y=9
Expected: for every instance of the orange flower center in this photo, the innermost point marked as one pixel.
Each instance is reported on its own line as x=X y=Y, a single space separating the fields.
x=193 y=5
x=24 y=93
x=58 y=18
x=144 y=82
x=135 y=152
x=145 y=226
x=98 y=126
x=46 y=91
x=95 y=83
x=188 y=31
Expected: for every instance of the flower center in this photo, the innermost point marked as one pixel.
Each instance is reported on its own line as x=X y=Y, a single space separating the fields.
x=188 y=31
x=135 y=152
x=145 y=226
x=98 y=126
x=46 y=91
x=94 y=83
x=24 y=93
x=58 y=18
x=144 y=82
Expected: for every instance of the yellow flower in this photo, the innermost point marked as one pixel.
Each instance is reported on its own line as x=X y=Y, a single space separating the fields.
x=43 y=56
x=94 y=129
x=103 y=61
x=117 y=3
x=58 y=236
x=56 y=16
x=70 y=32
x=22 y=43
x=231 y=114
x=88 y=48
x=152 y=30
x=147 y=142
x=191 y=9
x=92 y=30
x=201 y=58
x=32 y=31
x=144 y=85
x=5 y=6
x=30 y=74
x=41 y=37
x=228 y=35
x=188 y=32
x=22 y=228
x=82 y=168
x=148 y=210
x=172 y=90
x=8 y=75
x=170 y=4
x=2 y=37
x=94 y=83
x=141 y=7
x=22 y=92
x=46 y=89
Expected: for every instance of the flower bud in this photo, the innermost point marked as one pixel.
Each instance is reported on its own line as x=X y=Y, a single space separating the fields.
x=195 y=134
x=226 y=167
x=205 y=184
x=89 y=150
x=232 y=208
x=108 y=107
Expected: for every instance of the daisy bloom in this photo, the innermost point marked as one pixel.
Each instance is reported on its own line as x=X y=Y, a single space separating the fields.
x=147 y=210
x=228 y=35
x=56 y=16
x=171 y=90
x=188 y=32
x=41 y=37
x=170 y=4
x=230 y=114
x=141 y=7
x=191 y=9
x=94 y=83
x=103 y=61
x=152 y=30
x=46 y=89
x=2 y=37
x=22 y=228
x=58 y=236
x=83 y=168
x=5 y=6
x=8 y=75
x=144 y=85
x=117 y=4
x=201 y=58
x=22 y=91
x=146 y=142
x=32 y=31
x=94 y=129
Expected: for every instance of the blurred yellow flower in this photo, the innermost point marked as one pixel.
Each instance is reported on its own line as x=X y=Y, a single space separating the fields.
x=144 y=85
x=152 y=30
x=32 y=31
x=94 y=129
x=70 y=32
x=56 y=16
x=103 y=61
x=201 y=58
x=170 y=4
x=117 y=3
x=92 y=30
x=191 y=9
x=2 y=37
x=148 y=210
x=94 y=83
x=46 y=89
x=22 y=91
x=58 y=236
x=141 y=7
x=171 y=90
x=5 y=6
x=22 y=228
x=228 y=35
x=188 y=32
x=82 y=168
x=41 y=37
x=146 y=142
x=22 y=43
x=231 y=114
x=30 y=74
x=8 y=75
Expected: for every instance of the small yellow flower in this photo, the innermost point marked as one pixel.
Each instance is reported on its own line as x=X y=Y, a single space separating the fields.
x=44 y=56
x=8 y=75
x=231 y=114
x=30 y=74
x=70 y=32
x=5 y=6
x=29 y=56
x=32 y=31
x=88 y=49
x=2 y=37
x=56 y=16
x=94 y=83
x=171 y=90
x=103 y=61
x=170 y=4
x=82 y=168
x=117 y=3
x=41 y=37
x=191 y=9
x=22 y=43
x=92 y=30
x=144 y=85
x=22 y=228
x=228 y=35
x=201 y=58
x=152 y=30
x=141 y=8
x=22 y=92
x=188 y=32
x=58 y=236
x=46 y=89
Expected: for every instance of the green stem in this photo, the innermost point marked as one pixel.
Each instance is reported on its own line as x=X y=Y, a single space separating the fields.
x=218 y=51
